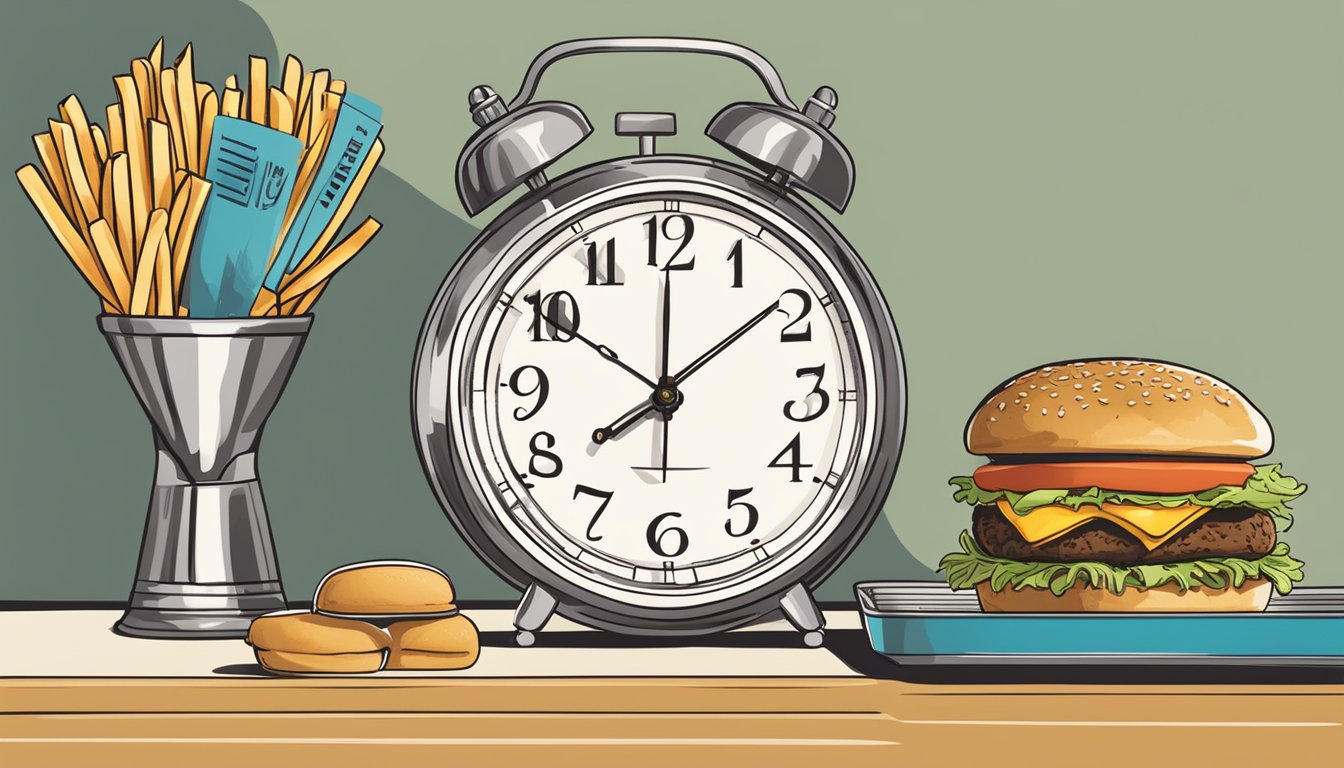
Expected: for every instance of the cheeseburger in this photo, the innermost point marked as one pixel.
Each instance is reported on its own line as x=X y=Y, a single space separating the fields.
x=1122 y=485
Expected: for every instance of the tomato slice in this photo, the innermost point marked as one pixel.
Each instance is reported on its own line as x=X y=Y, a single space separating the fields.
x=1156 y=477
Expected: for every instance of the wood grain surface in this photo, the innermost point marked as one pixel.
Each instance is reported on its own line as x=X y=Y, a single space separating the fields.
x=655 y=721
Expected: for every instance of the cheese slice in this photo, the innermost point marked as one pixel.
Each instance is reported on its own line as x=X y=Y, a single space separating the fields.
x=1151 y=525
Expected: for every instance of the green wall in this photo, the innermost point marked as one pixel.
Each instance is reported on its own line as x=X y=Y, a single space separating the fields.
x=1036 y=180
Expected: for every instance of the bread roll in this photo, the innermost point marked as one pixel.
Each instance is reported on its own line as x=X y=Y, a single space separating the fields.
x=451 y=643
x=384 y=588
x=299 y=641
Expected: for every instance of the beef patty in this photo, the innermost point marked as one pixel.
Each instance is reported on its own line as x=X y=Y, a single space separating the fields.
x=1229 y=532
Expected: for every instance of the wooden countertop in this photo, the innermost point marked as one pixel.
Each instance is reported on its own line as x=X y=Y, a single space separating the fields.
x=72 y=693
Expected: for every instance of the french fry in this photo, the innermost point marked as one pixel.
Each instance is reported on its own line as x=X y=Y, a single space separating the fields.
x=84 y=206
x=125 y=212
x=267 y=301
x=186 y=106
x=232 y=103
x=209 y=110
x=337 y=86
x=160 y=164
x=155 y=57
x=291 y=79
x=202 y=90
x=198 y=189
x=168 y=83
x=105 y=247
x=179 y=208
x=316 y=92
x=72 y=112
x=163 y=281
x=281 y=111
x=256 y=89
x=116 y=132
x=67 y=236
x=51 y=166
x=146 y=87
x=334 y=259
x=107 y=202
x=305 y=113
x=99 y=143
x=231 y=82
x=347 y=203
x=307 y=300
x=143 y=284
x=137 y=152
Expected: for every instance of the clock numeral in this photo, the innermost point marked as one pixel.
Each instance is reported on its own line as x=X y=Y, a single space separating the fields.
x=553 y=466
x=555 y=316
x=820 y=372
x=795 y=463
x=804 y=334
x=605 y=496
x=753 y=516
x=655 y=537
x=735 y=256
x=683 y=240
x=607 y=277
x=542 y=389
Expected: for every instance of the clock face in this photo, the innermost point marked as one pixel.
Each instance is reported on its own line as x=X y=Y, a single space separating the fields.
x=666 y=395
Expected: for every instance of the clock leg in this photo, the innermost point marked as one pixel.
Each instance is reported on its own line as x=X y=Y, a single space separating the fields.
x=803 y=613
x=534 y=610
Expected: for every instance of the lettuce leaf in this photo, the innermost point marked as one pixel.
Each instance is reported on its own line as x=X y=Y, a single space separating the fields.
x=1267 y=490
x=972 y=566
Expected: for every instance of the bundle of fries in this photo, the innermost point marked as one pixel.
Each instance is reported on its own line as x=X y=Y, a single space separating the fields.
x=125 y=203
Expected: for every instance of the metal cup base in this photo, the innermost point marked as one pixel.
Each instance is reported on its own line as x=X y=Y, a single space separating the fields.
x=206 y=611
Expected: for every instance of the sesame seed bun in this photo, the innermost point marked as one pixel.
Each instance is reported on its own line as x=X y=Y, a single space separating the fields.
x=1117 y=407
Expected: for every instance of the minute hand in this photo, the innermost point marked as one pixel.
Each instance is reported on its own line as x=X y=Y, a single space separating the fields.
x=713 y=351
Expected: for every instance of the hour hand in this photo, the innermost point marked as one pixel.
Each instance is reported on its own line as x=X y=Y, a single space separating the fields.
x=627 y=420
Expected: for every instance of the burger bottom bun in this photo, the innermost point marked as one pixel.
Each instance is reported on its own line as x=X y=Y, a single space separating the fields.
x=409 y=659
x=339 y=663
x=1252 y=596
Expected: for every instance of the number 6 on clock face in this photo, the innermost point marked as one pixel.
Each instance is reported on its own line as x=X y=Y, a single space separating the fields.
x=668 y=399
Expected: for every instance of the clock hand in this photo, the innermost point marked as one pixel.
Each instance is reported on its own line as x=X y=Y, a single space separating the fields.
x=606 y=352
x=722 y=345
x=667 y=336
x=667 y=317
x=667 y=424
x=627 y=420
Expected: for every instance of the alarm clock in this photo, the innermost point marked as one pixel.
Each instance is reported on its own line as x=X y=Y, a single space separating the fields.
x=660 y=394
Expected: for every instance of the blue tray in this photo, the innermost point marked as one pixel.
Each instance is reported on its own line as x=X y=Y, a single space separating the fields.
x=926 y=623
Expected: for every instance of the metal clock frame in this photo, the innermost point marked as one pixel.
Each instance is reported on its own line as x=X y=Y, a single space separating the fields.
x=454 y=328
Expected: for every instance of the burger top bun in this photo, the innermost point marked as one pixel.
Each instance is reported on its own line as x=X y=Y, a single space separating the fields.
x=384 y=588
x=1118 y=406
